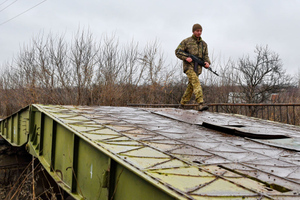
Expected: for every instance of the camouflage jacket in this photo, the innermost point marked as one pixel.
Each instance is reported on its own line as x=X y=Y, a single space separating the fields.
x=192 y=46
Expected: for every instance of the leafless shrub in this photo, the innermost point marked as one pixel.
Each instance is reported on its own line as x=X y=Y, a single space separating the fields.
x=86 y=71
x=82 y=60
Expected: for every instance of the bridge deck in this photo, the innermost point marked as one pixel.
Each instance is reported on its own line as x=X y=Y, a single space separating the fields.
x=135 y=153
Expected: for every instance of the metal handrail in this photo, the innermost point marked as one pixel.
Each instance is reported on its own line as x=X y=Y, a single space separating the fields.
x=281 y=112
x=287 y=115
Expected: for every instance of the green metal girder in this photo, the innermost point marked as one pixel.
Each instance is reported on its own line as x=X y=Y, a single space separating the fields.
x=15 y=128
x=92 y=158
x=78 y=166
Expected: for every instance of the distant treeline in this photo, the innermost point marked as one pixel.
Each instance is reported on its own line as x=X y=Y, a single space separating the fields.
x=88 y=72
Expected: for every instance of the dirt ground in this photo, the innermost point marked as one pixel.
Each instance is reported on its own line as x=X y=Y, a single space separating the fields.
x=18 y=176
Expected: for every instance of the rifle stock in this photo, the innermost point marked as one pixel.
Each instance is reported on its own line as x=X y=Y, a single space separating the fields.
x=196 y=59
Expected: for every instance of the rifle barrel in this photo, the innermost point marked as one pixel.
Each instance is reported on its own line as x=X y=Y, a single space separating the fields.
x=200 y=61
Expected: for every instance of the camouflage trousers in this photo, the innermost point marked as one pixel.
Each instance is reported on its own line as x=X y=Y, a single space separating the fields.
x=193 y=86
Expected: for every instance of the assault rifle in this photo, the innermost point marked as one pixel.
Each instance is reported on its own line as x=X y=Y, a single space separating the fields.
x=197 y=60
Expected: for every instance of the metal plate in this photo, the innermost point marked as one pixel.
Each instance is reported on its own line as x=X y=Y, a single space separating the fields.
x=171 y=150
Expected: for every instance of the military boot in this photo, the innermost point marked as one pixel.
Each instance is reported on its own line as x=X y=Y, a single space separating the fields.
x=202 y=107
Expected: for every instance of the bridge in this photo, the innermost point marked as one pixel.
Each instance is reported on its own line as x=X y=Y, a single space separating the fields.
x=159 y=153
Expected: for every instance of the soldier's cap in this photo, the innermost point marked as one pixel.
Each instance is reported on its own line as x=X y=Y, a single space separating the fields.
x=196 y=27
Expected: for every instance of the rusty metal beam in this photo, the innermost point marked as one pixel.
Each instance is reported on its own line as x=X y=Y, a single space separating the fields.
x=215 y=104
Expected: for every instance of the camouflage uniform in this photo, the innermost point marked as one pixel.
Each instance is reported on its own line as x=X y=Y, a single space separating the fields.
x=197 y=47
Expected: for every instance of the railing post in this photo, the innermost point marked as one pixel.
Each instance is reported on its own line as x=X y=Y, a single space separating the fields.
x=280 y=113
x=294 y=115
x=287 y=115
x=274 y=117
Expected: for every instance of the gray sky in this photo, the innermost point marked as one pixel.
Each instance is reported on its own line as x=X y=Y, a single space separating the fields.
x=232 y=28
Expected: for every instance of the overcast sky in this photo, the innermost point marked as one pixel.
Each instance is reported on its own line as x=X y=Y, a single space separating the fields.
x=232 y=28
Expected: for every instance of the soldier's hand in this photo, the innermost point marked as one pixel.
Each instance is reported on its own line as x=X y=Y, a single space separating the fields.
x=206 y=65
x=189 y=59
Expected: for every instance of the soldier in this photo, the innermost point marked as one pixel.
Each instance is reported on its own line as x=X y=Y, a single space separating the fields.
x=196 y=46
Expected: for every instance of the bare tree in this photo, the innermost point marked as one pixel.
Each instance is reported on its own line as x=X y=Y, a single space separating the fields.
x=60 y=64
x=109 y=61
x=82 y=58
x=132 y=71
x=152 y=61
x=109 y=66
x=26 y=74
x=51 y=70
x=262 y=76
